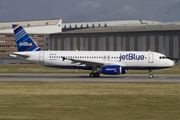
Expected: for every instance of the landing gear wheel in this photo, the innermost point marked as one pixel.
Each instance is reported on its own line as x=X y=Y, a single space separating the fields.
x=91 y=75
x=96 y=74
x=150 y=76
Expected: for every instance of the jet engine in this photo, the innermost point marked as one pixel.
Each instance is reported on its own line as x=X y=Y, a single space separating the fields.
x=110 y=70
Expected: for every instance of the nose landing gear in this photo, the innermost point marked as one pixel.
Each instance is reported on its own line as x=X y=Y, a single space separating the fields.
x=150 y=74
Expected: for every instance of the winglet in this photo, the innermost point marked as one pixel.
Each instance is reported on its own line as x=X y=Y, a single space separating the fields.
x=23 y=40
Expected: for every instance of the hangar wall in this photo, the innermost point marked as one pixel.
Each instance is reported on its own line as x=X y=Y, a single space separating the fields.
x=166 y=44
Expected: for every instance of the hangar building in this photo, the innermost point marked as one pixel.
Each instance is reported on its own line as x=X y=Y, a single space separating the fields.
x=153 y=36
x=124 y=35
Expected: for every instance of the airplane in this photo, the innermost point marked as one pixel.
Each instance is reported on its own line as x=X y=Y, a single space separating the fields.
x=99 y=62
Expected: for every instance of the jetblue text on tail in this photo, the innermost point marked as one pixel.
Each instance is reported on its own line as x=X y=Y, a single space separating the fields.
x=23 y=40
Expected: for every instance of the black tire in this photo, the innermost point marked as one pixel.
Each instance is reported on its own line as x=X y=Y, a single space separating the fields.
x=91 y=75
x=96 y=74
x=150 y=76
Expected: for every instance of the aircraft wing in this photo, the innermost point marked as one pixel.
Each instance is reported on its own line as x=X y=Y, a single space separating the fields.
x=88 y=62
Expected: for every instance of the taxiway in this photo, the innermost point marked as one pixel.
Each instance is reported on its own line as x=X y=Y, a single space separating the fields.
x=166 y=78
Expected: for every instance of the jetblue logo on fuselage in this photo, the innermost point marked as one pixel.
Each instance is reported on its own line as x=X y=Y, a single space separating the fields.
x=131 y=56
x=25 y=44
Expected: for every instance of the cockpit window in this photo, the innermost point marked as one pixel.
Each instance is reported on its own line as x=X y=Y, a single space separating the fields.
x=164 y=57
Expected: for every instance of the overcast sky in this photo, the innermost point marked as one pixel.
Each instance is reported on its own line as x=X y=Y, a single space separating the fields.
x=90 y=10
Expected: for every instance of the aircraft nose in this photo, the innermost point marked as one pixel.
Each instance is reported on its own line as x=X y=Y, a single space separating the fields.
x=171 y=63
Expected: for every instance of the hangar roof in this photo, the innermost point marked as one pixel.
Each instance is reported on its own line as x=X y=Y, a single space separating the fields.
x=34 y=27
x=109 y=23
x=95 y=27
x=124 y=29
x=8 y=25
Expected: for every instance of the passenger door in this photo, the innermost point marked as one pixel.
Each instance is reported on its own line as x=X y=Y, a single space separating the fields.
x=41 y=57
x=150 y=58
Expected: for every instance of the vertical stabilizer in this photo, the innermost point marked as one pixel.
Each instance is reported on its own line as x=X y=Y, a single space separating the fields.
x=23 y=40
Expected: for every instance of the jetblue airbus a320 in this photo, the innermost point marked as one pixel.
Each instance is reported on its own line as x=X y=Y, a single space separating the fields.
x=105 y=62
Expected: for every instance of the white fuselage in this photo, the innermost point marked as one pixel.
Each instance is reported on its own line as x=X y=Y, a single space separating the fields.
x=125 y=59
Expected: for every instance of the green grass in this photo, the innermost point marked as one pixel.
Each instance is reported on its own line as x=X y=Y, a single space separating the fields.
x=32 y=68
x=89 y=101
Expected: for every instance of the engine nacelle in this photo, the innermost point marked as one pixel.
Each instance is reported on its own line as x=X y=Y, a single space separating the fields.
x=110 y=70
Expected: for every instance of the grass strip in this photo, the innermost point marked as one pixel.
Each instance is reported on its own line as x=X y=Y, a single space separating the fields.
x=89 y=101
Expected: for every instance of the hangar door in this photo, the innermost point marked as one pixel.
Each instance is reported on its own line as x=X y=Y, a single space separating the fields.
x=41 y=57
x=151 y=58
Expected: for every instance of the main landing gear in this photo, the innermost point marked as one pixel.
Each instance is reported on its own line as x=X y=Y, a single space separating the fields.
x=150 y=74
x=94 y=74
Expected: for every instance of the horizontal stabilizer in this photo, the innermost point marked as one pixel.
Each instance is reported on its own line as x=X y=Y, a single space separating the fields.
x=25 y=56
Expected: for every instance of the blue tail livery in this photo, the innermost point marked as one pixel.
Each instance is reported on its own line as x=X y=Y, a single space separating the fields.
x=23 y=40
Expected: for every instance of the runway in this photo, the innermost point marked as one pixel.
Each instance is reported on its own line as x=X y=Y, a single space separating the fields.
x=161 y=78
